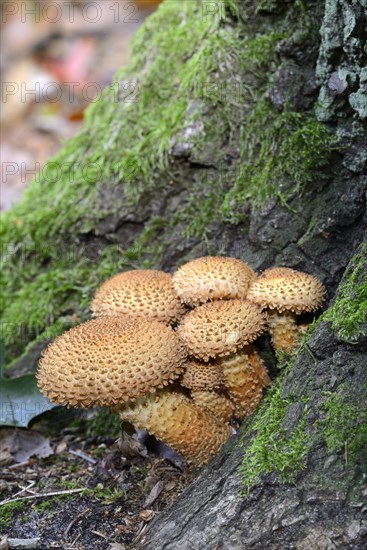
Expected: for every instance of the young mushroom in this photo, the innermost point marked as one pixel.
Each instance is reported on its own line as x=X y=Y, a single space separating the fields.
x=221 y=328
x=142 y=293
x=202 y=379
x=212 y=278
x=286 y=293
x=112 y=360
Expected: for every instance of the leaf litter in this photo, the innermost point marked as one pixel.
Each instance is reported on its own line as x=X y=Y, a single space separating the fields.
x=91 y=492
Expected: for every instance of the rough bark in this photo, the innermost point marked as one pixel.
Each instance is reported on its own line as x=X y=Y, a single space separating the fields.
x=202 y=158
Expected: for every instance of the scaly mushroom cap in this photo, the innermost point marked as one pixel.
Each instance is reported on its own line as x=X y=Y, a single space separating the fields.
x=205 y=376
x=217 y=405
x=143 y=293
x=110 y=360
x=220 y=328
x=278 y=272
x=176 y=420
x=212 y=278
x=297 y=291
x=245 y=377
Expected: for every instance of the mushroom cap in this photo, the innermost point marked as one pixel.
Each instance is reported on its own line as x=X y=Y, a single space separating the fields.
x=110 y=360
x=212 y=278
x=217 y=405
x=176 y=420
x=205 y=376
x=220 y=328
x=278 y=272
x=142 y=293
x=287 y=291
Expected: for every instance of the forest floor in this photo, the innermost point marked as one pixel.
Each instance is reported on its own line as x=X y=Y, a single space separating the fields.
x=97 y=492
x=53 y=68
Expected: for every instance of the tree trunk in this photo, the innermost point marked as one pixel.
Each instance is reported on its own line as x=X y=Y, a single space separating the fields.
x=237 y=129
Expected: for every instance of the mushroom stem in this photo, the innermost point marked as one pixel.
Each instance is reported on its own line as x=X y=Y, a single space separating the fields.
x=245 y=377
x=177 y=421
x=283 y=330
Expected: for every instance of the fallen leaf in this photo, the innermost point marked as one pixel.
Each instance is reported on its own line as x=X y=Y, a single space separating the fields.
x=146 y=515
x=154 y=494
x=170 y=485
x=20 y=445
x=130 y=447
x=26 y=544
x=4 y=543
x=21 y=401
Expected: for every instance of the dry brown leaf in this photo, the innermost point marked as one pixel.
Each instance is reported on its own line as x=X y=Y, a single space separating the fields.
x=20 y=444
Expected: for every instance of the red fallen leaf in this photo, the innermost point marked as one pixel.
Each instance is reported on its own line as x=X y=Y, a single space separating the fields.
x=76 y=117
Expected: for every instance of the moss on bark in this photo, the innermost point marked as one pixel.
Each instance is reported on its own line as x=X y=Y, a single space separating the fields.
x=193 y=91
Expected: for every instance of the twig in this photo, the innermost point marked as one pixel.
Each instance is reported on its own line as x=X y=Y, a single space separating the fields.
x=69 y=527
x=84 y=456
x=25 y=489
x=100 y=534
x=74 y=541
x=140 y=533
x=19 y=465
x=53 y=494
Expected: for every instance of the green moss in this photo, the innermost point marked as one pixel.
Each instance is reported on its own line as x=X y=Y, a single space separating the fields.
x=105 y=494
x=344 y=426
x=44 y=505
x=348 y=313
x=46 y=272
x=7 y=512
x=281 y=153
x=104 y=423
x=194 y=67
x=273 y=448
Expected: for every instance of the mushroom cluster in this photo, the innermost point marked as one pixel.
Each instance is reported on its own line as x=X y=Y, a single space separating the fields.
x=174 y=355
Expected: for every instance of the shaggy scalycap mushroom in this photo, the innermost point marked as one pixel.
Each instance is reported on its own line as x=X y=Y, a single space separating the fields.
x=212 y=278
x=287 y=291
x=278 y=272
x=202 y=376
x=175 y=419
x=217 y=405
x=220 y=328
x=110 y=360
x=142 y=293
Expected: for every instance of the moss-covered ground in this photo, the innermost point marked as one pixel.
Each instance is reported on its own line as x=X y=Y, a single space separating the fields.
x=204 y=77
